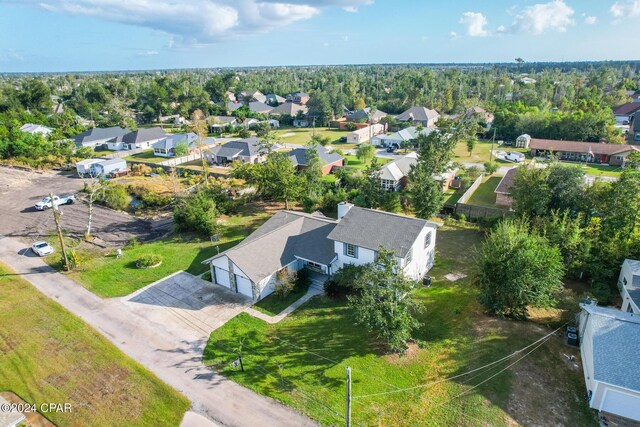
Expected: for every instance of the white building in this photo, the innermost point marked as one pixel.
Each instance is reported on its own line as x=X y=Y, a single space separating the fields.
x=365 y=134
x=609 y=346
x=290 y=241
x=84 y=167
x=629 y=286
x=35 y=129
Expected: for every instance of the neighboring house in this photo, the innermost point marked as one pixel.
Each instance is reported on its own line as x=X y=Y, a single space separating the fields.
x=218 y=124
x=234 y=105
x=83 y=167
x=629 y=286
x=523 y=141
x=166 y=147
x=419 y=116
x=288 y=109
x=365 y=134
x=633 y=134
x=100 y=137
x=613 y=154
x=396 y=139
x=273 y=99
x=609 y=346
x=528 y=81
x=176 y=119
x=260 y=107
x=623 y=113
x=393 y=175
x=298 y=97
x=250 y=122
x=290 y=241
x=366 y=115
x=105 y=167
x=328 y=159
x=230 y=96
x=503 y=190
x=274 y=123
x=247 y=96
x=246 y=150
x=142 y=138
x=300 y=123
x=36 y=129
x=10 y=416
x=483 y=116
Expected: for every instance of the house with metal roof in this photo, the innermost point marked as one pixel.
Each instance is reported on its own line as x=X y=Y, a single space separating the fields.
x=290 y=241
x=219 y=124
x=328 y=159
x=393 y=175
x=419 y=116
x=629 y=286
x=609 y=346
x=245 y=150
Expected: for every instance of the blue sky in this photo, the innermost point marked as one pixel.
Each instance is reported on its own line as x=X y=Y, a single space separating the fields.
x=87 y=35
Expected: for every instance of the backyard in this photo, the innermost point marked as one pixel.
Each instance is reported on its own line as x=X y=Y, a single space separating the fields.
x=481 y=152
x=352 y=161
x=104 y=274
x=301 y=360
x=145 y=156
x=485 y=195
x=49 y=355
x=302 y=136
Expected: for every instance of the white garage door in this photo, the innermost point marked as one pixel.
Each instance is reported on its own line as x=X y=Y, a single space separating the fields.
x=623 y=404
x=244 y=286
x=222 y=277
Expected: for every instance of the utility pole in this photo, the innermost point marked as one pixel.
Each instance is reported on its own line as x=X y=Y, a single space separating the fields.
x=492 y=141
x=348 y=409
x=56 y=218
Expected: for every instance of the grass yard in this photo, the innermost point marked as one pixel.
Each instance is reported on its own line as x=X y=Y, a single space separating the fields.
x=301 y=136
x=350 y=160
x=146 y=156
x=481 y=152
x=273 y=304
x=107 y=276
x=452 y=196
x=301 y=360
x=484 y=194
x=49 y=355
x=599 y=170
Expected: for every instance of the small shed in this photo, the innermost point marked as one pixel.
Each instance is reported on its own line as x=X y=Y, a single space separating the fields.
x=523 y=141
x=84 y=167
x=108 y=166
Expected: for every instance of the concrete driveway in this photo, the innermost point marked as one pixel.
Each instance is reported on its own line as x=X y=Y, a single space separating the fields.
x=183 y=301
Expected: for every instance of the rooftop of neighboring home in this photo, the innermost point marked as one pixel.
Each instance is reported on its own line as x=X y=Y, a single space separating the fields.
x=633 y=288
x=615 y=345
x=253 y=95
x=399 y=168
x=172 y=140
x=366 y=114
x=299 y=155
x=224 y=120
x=580 y=147
x=626 y=109
x=244 y=147
x=99 y=134
x=277 y=242
x=259 y=107
x=421 y=114
x=275 y=99
x=34 y=128
x=408 y=134
x=234 y=105
x=143 y=135
x=479 y=112
x=369 y=228
x=289 y=108
x=505 y=184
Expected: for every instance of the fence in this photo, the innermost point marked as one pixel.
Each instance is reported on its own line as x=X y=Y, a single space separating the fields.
x=475 y=212
x=175 y=161
x=472 y=188
x=121 y=154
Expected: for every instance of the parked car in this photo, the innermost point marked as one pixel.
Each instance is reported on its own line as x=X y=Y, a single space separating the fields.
x=343 y=139
x=391 y=149
x=57 y=201
x=42 y=248
x=426 y=281
x=514 y=156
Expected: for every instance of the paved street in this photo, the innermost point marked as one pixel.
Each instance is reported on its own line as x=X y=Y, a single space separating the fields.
x=164 y=327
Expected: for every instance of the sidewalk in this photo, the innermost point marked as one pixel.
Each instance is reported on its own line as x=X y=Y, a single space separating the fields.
x=312 y=292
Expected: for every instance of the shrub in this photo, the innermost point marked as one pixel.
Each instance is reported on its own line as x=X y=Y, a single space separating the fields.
x=344 y=281
x=116 y=197
x=140 y=169
x=303 y=279
x=133 y=242
x=198 y=213
x=285 y=283
x=351 y=127
x=490 y=167
x=148 y=261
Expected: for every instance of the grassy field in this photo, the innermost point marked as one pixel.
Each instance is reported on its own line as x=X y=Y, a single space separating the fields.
x=301 y=136
x=352 y=161
x=484 y=194
x=301 y=360
x=49 y=355
x=481 y=152
x=599 y=170
x=107 y=276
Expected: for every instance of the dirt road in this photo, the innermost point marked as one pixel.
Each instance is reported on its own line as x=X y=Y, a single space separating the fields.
x=20 y=190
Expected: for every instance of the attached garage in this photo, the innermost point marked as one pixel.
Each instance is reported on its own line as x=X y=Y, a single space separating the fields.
x=221 y=277
x=621 y=403
x=244 y=286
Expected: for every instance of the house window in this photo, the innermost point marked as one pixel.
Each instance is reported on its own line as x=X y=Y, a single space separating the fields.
x=409 y=257
x=427 y=240
x=351 y=250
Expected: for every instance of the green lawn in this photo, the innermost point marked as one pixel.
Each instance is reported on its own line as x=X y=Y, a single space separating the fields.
x=301 y=360
x=273 y=304
x=49 y=355
x=146 y=156
x=302 y=136
x=452 y=196
x=481 y=152
x=485 y=193
x=352 y=161
x=599 y=170
x=107 y=276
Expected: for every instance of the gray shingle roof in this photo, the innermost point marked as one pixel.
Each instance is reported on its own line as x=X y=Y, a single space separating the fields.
x=299 y=156
x=616 y=346
x=505 y=184
x=399 y=168
x=248 y=147
x=290 y=108
x=172 y=140
x=280 y=240
x=259 y=107
x=371 y=229
x=97 y=134
x=366 y=113
x=143 y=135
x=422 y=114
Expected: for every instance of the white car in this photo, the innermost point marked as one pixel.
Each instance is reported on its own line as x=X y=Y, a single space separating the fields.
x=42 y=248
x=514 y=156
x=57 y=201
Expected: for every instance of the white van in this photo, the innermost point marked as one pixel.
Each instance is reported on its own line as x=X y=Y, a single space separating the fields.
x=514 y=156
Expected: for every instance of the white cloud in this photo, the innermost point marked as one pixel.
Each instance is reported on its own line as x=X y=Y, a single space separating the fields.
x=453 y=35
x=542 y=17
x=475 y=23
x=149 y=53
x=198 y=21
x=590 y=20
x=629 y=8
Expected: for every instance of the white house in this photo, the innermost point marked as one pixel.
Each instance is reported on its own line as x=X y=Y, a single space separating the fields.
x=100 y=137
x=365 y=134
x=629 y=286
x=166 y=147
x=609 y=346
x=393 y=174
x=141 y=138
x=105 y=167
x=295 y=240
x=397 y=138
x=83 y=167
x=35 y=129
x=419 y=116
x=246 y=150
